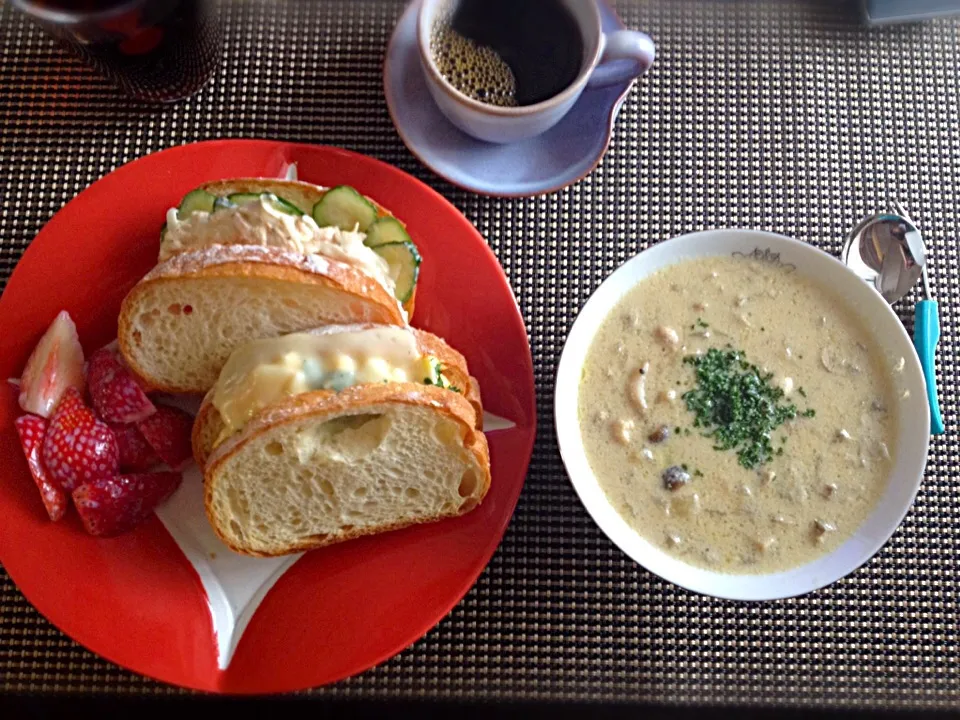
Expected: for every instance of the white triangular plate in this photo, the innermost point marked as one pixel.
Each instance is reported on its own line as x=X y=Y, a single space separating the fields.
x=235 y=584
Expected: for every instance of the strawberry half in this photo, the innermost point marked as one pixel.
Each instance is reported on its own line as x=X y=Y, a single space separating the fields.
x=71 y=400
x=32 y=430
x=78 y=448
x=168 y=432
x=136 y=455
x=117 y=397
x=110 y=506
x=55 y=364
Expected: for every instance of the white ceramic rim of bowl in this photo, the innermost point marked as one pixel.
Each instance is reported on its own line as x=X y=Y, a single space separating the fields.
x=592 y=53
x=886 y=328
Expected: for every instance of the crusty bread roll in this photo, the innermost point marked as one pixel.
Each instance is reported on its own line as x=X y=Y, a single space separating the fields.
x=208 y=427
x=325 y=467
x=179 y=324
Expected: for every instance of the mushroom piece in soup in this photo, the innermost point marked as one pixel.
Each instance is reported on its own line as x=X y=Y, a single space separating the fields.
x=760 y=431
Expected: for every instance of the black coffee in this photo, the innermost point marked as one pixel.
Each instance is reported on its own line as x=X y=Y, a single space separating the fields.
x=509 y=52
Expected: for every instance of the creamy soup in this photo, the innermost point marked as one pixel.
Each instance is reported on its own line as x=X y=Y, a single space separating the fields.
x=738 y=415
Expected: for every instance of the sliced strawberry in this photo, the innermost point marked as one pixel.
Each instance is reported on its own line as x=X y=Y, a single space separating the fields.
x=168 y=432
x=117 y=397
x=78 y=448
x=110 y=506
x=136 y=455
x=55 y=364
x=32 y=430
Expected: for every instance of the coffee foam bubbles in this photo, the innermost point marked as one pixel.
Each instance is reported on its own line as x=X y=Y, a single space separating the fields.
x=476 y=71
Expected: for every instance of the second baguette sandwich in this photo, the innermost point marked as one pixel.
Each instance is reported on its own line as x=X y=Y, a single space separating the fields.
x=313 y=439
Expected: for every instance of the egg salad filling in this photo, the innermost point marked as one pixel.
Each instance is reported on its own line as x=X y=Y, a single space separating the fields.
x=264 y=372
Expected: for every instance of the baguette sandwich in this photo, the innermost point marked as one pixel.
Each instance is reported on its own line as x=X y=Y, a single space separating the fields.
x=256 y=258
x=318 y=437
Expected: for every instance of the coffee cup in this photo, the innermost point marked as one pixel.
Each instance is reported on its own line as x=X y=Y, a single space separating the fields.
x=607 y=58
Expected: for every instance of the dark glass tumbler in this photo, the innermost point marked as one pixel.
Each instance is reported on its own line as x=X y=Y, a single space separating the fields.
x=156 y=50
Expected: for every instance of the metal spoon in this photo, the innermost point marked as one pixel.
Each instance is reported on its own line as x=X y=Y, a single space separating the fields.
x=888 y=251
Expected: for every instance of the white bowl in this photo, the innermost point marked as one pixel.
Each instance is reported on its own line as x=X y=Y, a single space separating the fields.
x=876 y=315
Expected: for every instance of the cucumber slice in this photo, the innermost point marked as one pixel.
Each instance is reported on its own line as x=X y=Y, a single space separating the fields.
x=223 y=204
x=404 y=261
x=385 y=231
x=279 y=203
x=241 y=198
x=196 y=201
x=344 y=208
x=285 y=205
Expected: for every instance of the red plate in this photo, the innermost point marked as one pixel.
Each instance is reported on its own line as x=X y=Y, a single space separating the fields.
x=135 y=599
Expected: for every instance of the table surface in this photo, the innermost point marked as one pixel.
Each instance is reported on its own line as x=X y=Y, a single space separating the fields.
x=786 y=116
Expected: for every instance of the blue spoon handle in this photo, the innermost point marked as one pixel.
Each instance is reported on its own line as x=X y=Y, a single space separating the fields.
x=926 y=335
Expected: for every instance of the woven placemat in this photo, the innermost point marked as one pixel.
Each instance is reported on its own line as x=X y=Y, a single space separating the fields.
x=786 y=116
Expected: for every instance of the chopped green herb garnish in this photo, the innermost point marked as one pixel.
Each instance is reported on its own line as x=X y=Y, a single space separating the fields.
x=676 y=430
x=737 y=405
x=801 y=392
x=684 y=466
x=697 y=473
x=701 y=323
x=809 y=413
x=437 y=377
